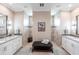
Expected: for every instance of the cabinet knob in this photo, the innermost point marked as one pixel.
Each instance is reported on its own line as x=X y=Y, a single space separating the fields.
x=5 y=48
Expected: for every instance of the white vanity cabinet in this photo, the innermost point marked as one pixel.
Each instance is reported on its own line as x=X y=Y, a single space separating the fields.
x=17 y=44
x=11 y=46
x=70 y=45
x=3 y=49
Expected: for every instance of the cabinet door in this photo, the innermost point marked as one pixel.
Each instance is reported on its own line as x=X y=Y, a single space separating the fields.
x=76 y=48
x=17 y=43
x=9 y=48
x=64 y=42
x=2 y=49
x=67 y=45
x=14 y=45
x=73 y=47
x=70 y=46
x=20 y=41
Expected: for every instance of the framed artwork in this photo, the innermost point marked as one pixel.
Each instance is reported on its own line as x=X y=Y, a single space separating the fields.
x=41 y=26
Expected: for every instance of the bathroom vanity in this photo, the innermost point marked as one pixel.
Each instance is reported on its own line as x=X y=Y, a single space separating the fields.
x=71 y=44
x=9 y=45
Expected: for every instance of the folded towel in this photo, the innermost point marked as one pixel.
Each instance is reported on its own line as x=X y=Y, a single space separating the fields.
x=45 y=41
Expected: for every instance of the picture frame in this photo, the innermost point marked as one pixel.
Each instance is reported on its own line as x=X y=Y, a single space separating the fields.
x=41 y=26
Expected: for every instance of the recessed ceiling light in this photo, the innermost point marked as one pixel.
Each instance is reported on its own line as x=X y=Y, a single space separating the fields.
x=53 y=12
x=1 y=15
x=57 y=6
x=70 y=5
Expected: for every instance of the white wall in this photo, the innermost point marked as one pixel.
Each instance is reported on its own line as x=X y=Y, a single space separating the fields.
x=56 y=29
x=74 y=13
x=65 y=22
x=62 y=20
x=5 y=11
x=18 y=21
x=41 y=16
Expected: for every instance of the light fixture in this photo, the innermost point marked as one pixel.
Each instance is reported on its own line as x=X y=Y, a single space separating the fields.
x=57 y=6
x=54 y=11
x=11 y=3
x=1 y=15
x=70 y=5
x=41 y=4
x=28 y=11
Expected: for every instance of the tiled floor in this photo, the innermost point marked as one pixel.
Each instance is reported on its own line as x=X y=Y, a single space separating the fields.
x=27 y=50
x=58 y=50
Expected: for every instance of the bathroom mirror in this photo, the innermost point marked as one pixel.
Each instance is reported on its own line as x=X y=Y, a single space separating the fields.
x=3 y=25
x=77 y=24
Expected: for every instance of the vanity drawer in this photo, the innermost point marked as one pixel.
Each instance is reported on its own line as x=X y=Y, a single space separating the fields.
x=70 y=45
x=3 y=49
x=10 y=47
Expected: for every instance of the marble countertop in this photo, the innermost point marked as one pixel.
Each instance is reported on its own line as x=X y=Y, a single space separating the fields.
x=74 y=38
x=9 y=38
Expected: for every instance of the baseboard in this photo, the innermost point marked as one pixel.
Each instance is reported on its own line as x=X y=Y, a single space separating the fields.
x=18 y=50
x=65 y=50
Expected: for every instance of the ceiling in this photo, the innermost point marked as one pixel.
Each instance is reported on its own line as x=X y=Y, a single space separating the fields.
x=53 y=7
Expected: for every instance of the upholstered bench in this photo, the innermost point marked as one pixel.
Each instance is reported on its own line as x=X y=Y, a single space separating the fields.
x=38 y=46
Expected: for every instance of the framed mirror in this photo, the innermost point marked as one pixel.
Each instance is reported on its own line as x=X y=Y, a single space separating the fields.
x=77 y=25
x=3 y=25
